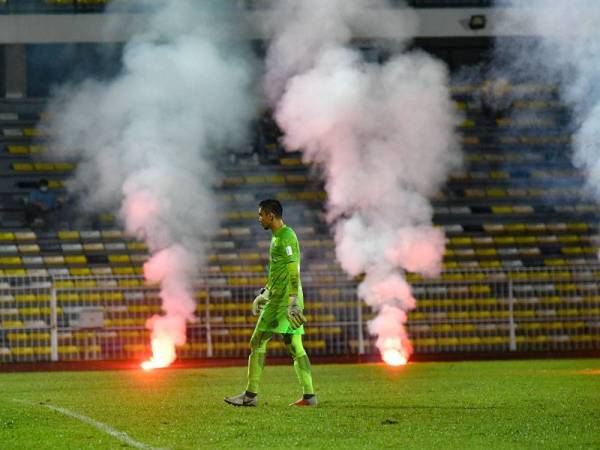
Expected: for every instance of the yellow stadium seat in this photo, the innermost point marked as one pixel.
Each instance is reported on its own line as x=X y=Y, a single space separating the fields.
x=68 y=349
x=502 y=209
x=495 y=192
x=55 y=184
x=139 y=246
x=492 y=264
x=111 y=234
x=18 y=149
x=27 y=298
x=68 y=235
x=106 y=218
x=93 y=246
x=568 y=238
x=290 y=162
x=551 y=262
x=296 y=179
x=113 y=296
x=119 y=258
x=80 y=271
x=92 y=297
x=286 y=196
x=75 y=259
x=499 y=175
x=23 y=167
x=527 y=240
x=123 y=271
x=249 y=256
x=255 y=179
x=22 y=351
x=42 y=351
x=43 y=167
x=130 y=283
x=15 y=272
x=67 y=297
x=11 y=260
x=28 y=248
x=479 y=289
x=461 y=240
x=275 y=179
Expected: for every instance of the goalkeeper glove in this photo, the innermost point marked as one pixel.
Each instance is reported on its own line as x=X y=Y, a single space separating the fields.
x=294 y=313
x=260 y=301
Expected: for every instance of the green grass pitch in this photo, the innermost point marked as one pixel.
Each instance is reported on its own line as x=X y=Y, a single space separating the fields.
x=498 y=404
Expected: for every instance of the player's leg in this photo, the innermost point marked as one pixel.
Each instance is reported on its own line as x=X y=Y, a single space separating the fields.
x=256 y=360
x=293 y=343
x=256 y=364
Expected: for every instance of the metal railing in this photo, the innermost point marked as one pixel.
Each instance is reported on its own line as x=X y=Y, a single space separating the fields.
x=91 y=318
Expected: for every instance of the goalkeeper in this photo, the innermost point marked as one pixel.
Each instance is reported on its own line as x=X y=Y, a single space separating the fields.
x=280 y=304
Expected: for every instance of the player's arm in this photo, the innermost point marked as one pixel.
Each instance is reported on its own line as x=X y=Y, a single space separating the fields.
x=294 y=277
x=295 y=315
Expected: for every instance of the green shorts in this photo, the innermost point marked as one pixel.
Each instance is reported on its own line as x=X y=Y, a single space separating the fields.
x=274 y=319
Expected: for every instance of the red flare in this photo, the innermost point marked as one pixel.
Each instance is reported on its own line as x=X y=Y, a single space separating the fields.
x=163 y=354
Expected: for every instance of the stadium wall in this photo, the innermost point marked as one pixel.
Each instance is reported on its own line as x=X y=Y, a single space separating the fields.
x=64 y=28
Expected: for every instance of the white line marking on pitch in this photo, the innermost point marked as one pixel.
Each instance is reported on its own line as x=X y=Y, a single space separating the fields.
x=120 y=435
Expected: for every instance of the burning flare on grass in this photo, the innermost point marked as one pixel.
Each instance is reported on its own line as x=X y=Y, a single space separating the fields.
x=146 y=141
x=173 y=269
x=394 y=355
x=163 y=353
x=383 y=135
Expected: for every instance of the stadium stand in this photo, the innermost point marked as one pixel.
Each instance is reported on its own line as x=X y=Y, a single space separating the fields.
x=519 y=260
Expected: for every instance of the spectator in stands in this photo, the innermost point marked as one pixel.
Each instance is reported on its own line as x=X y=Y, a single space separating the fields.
x=41 y=205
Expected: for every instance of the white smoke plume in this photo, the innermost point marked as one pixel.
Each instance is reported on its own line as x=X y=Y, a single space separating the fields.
x=146 y=140
x=384 y=136
x=566 y=52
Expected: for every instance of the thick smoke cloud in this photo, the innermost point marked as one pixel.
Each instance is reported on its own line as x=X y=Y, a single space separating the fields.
x=383 y=136
x=565 y=51
x=146 y=140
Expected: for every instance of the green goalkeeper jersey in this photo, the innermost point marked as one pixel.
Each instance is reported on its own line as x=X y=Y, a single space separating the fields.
x=284 y=267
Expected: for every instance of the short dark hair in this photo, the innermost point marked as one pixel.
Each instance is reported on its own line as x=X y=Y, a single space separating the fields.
x=273 y=206
x=43 y=182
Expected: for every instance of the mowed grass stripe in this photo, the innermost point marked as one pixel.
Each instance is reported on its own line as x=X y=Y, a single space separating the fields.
x=119 y=435
x=502 y=404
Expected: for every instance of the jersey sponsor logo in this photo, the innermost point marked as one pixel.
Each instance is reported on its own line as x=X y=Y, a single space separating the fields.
x=288 y=250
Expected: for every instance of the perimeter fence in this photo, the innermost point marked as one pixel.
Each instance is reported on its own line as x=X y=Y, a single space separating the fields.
x=103 y=318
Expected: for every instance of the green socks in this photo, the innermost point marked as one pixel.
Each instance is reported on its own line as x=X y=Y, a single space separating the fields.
x=304 y=373
x=256 y=364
